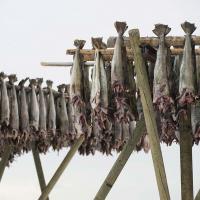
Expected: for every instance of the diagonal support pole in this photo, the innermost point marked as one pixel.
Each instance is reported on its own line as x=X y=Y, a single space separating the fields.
x=4 y=160
x=121 y=161
x=38 y=166
x=186 y=155
x=61 y=169
x=149 y=115
x=197 y=196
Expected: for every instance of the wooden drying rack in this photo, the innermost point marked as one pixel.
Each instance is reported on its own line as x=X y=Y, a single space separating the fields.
x=134 y=51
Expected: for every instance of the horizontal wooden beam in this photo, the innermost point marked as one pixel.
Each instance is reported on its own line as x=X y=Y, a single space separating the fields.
x=63 y=64
x=175 y=41
x=108 y=53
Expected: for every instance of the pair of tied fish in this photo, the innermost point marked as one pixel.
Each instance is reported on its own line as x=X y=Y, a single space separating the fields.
x=123 y=115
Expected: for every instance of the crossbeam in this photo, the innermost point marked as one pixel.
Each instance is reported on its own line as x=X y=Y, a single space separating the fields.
x=175 y=41
x=88 y=54
x=64 y=64
x=149 y=115
x=121 y=161
x=61 y=169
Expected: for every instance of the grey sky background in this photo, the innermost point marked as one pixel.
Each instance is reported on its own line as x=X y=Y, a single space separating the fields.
x=34 y=31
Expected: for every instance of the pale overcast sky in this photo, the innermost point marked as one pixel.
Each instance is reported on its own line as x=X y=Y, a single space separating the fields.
x=34 y=31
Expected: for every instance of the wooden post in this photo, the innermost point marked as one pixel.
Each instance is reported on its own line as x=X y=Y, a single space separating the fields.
x=197 y=196
x=121 y=161
x=186 y=155
x=149 y=115
x=4 y=160
x=61 y=168
x=39 y=169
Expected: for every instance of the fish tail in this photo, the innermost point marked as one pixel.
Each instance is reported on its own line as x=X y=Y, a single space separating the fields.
x=12 y=78
x=33 y=81
x=39 y=81
x=3 y=76
x=161 y=29
x=49 y=83
x=121 y=27
x=23 y=81
x=188 y=27
x=79 y=44
x=97 y=43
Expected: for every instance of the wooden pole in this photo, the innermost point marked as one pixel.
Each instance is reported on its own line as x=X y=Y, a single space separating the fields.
x=4 y=160
x=186 y=155
x=61 y=168
x=175 y=41
x=197 y=196
x=63 y=64
x=38 y=166
x=121 y=161
x=149 y=115
x=88 y=54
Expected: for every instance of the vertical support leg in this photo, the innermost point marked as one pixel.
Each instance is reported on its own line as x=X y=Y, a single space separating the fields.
x=39 y=169
x=186 y=156
x=61 y=169
x=4 y=160
x=120 y=162
x=149 y=115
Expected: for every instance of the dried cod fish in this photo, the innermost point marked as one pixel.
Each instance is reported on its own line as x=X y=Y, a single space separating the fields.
x=34 y=107
x=14 y=112
x=187 y=81
x=76 y=93
x=161 y=90
x=51 y=112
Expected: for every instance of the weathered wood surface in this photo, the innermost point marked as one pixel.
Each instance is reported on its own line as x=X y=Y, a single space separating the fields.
x=121 y=161
x=149 y=115
x=61 y=168
x=39 y=170
x=88 y=54
x=175 y=41
x=186 y=156
x=4 y=160
x=63 y=64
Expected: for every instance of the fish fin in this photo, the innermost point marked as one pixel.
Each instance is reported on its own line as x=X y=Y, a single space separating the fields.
x=39 y=81
x=161 y=29
x=3 y=76
x=97 y=43
x=79 y=44
x=121 y=27
x=188 y=27
x=49 y=83
x=12 y=78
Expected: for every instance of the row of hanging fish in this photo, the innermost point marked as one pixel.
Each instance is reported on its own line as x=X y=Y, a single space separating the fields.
x=102 y=103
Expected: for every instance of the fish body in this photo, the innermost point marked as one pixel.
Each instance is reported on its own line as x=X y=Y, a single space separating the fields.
x=14 y=112
x=51 y=115
x=34 y=106
x=187 y=70
x=5 y=108
x=161 y=90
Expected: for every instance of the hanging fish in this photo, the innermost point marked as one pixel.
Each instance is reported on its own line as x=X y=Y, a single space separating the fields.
x=5 y=109
x=42 y=142
x=14 y=113
x=187 y=81
x=34 y=107
x=161 y=90
x=122 y=112
x=70 y=117
x=51 y=114
x=23 y=113
x=62 y=114
x=76 y=93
